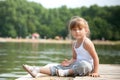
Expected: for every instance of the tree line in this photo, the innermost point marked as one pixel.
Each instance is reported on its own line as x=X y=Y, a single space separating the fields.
x=20 y=18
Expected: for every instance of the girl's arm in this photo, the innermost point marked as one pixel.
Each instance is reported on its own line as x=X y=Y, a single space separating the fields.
x=73 y=59
x=67 y=62
x=89 y=46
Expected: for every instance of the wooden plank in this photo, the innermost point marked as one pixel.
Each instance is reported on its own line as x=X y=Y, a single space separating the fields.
x=107 y=72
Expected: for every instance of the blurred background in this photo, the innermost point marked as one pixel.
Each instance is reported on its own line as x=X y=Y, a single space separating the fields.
x=48 y=20
x=22 y=18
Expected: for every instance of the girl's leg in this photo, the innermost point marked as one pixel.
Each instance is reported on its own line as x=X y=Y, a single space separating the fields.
x=79 y=68
x=66 y=72
x=45 y=70
x=82 y=68
x=34 y=71
x=71 y=72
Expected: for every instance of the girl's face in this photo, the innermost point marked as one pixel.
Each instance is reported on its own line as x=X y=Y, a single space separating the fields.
x=78 y=32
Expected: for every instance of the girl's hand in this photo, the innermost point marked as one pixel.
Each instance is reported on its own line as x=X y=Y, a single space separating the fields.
x=94 y=75
x=66 y=62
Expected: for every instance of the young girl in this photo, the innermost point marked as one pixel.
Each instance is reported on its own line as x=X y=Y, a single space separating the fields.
x=84 y=60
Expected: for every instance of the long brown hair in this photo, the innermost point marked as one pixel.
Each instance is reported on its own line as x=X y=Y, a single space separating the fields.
x=79 y=22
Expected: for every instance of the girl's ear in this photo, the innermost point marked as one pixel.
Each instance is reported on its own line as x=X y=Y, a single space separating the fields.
x=86 y=30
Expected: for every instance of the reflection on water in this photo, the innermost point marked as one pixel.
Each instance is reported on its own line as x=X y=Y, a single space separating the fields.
x=109 y=54
x=13 y=55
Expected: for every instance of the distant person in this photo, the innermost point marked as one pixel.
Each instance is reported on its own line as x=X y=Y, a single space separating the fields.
x=84 y=60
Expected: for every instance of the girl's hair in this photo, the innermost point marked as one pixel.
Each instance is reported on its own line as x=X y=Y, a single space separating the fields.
x=77 y=21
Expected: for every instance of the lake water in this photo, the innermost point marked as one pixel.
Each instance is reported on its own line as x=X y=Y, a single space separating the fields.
x=13 y=55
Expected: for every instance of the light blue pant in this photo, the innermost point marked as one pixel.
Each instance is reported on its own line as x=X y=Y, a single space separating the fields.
x=80 y=68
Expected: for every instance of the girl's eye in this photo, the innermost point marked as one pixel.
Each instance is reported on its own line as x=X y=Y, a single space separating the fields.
x=77 y=29
x=80 y=28
x=74 y=29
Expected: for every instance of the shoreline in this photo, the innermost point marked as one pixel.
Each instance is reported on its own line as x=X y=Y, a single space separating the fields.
x=100 y=42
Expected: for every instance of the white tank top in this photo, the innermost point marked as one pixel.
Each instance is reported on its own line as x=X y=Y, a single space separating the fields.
x=83 y=54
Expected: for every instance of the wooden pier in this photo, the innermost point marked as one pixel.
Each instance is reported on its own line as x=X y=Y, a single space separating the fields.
x=107 y=72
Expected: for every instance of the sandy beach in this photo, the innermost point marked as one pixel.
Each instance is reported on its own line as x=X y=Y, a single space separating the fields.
x=55 y=41
x=35 y=40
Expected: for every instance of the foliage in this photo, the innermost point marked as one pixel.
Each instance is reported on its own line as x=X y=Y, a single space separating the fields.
x=20 y=18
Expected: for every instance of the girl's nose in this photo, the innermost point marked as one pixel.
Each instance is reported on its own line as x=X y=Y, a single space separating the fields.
x=77 y=30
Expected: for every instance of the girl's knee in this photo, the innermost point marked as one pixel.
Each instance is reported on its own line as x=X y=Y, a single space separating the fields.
x=85 y=65
x=83 y=68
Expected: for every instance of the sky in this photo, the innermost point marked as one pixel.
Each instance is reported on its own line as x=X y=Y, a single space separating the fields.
x=76 y=3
